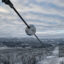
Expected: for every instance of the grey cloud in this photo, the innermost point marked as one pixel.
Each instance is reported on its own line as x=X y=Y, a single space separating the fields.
x=45 y=20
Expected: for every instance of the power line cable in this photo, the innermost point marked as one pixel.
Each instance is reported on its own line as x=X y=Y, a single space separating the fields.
x=30 y=29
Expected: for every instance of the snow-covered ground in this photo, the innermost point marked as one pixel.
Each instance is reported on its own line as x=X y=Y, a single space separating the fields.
x=24 y=56
x=53 y=59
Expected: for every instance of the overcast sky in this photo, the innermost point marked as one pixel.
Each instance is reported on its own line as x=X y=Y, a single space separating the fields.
x=46 y=15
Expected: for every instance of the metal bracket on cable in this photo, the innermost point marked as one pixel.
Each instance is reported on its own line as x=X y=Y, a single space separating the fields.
x=30 y=29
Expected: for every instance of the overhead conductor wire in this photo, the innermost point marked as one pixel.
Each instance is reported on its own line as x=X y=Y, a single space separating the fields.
x=8 y=2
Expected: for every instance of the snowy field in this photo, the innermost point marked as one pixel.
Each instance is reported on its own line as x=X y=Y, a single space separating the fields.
x=30 y=56
x=54 y=58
